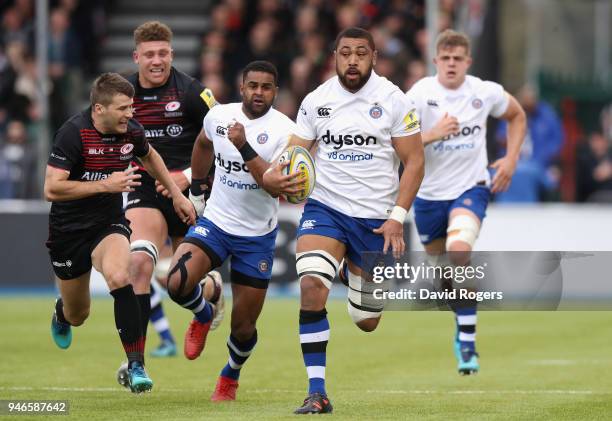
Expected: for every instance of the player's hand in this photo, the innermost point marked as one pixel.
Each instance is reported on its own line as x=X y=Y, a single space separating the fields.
x=504 y=169
x=236 y=135
x=180 y=180
x=393 y=232
x=184 y=209
x=122 y=181
x=275 y=183
x=447 y=125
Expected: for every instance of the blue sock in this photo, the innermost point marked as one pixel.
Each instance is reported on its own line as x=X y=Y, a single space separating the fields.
x=239 y=352
x=158 y=318
x=195 y=302
x=466 y=327
x=314 y=335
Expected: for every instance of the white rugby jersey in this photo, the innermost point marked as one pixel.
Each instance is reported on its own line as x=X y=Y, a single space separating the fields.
x=356 y=165
x=237 y=204
x=458 y=163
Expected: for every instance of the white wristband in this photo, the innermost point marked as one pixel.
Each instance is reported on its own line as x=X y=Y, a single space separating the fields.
x=398 y=214
x=187 y=173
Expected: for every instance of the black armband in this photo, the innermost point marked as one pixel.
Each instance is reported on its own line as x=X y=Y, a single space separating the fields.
x=247 y=152
x=199 y=186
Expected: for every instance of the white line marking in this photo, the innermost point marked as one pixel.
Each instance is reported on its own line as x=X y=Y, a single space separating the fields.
x=379 y=392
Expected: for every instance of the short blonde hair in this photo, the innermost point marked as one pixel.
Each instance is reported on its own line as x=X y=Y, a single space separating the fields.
x=451 y=39
x=152 y=31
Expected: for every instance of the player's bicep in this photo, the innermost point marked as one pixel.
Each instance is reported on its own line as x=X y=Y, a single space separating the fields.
x=408 y=148
x=513 y=110
x=54 y=177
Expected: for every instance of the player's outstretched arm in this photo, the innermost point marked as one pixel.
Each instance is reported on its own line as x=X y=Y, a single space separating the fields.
x=154 y=164
x=410 y=151
x=517 y=126
x=58 y=188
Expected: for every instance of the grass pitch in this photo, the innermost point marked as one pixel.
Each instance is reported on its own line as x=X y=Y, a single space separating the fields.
x=535 y=366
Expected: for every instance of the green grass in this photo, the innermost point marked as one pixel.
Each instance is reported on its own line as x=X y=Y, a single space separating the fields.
x=535 y=366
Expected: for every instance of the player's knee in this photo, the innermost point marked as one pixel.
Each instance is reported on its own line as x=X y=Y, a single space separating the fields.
x=243 y=330
x=144 y=257
x=461 y=237
x=178 y=283
x=363 y=306
x=162 y=268
x=117 y=279
x=316 y=270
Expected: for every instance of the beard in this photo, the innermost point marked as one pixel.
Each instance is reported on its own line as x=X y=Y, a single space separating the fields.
x=355 y=84
x=256 y=111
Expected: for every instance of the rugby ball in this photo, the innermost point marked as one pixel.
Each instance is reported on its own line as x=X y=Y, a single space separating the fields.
x=301 y=162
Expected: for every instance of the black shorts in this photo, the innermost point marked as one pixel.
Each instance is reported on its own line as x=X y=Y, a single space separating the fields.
x=145 y=196
x=70 y=252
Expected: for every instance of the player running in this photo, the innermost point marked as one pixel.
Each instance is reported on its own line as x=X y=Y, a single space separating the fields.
x=88 y=170
x=240 y=218
x=363 y=126
x=453 y=198
x=170 y=105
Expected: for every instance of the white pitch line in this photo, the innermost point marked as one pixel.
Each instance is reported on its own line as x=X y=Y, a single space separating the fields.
x=380 y=392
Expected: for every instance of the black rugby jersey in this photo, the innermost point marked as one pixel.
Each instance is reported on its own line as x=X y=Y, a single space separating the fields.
x=91 y=156
x=172 y=115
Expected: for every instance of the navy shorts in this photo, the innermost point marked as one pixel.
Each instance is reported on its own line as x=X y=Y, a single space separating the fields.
x=251 y=257
x=431 y=216
x=70 y=252
x=356 y=233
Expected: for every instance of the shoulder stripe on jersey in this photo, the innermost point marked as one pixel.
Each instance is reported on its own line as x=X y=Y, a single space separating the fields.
x=208 y=97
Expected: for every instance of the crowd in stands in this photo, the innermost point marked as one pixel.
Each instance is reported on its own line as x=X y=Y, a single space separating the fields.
x=296 y=35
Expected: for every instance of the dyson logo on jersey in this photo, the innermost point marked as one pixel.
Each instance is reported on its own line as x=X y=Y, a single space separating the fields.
x=465 y=131
x=347 y=140
x=230 y=166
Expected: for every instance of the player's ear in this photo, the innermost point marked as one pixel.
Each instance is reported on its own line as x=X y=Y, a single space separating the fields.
x=469 y=61
x=374 y=57
x=171 y=54
x=135 y=56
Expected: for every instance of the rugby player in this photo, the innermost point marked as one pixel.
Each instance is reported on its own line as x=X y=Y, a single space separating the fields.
x=363 y=126
x=452 y=200
x=239 y=220
x=88 y=169
x=171 y=106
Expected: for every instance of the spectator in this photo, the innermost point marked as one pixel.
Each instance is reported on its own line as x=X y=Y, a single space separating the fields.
x=537 y=174
x=594 y=168
x=19 y=162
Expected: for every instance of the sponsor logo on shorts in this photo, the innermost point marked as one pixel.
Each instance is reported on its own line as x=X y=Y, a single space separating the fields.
x=132 y=202
x=308 y=224
x=201 y=231
x=173 y=106
x=127 y=148
x=477 y=103
x=376 y=111
x=262 y=138
x=424 y=238
x=467 y=201
x=61 y=158
x=66 y=264
x=174 y=130
x=122 y=227
x=263 y=266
